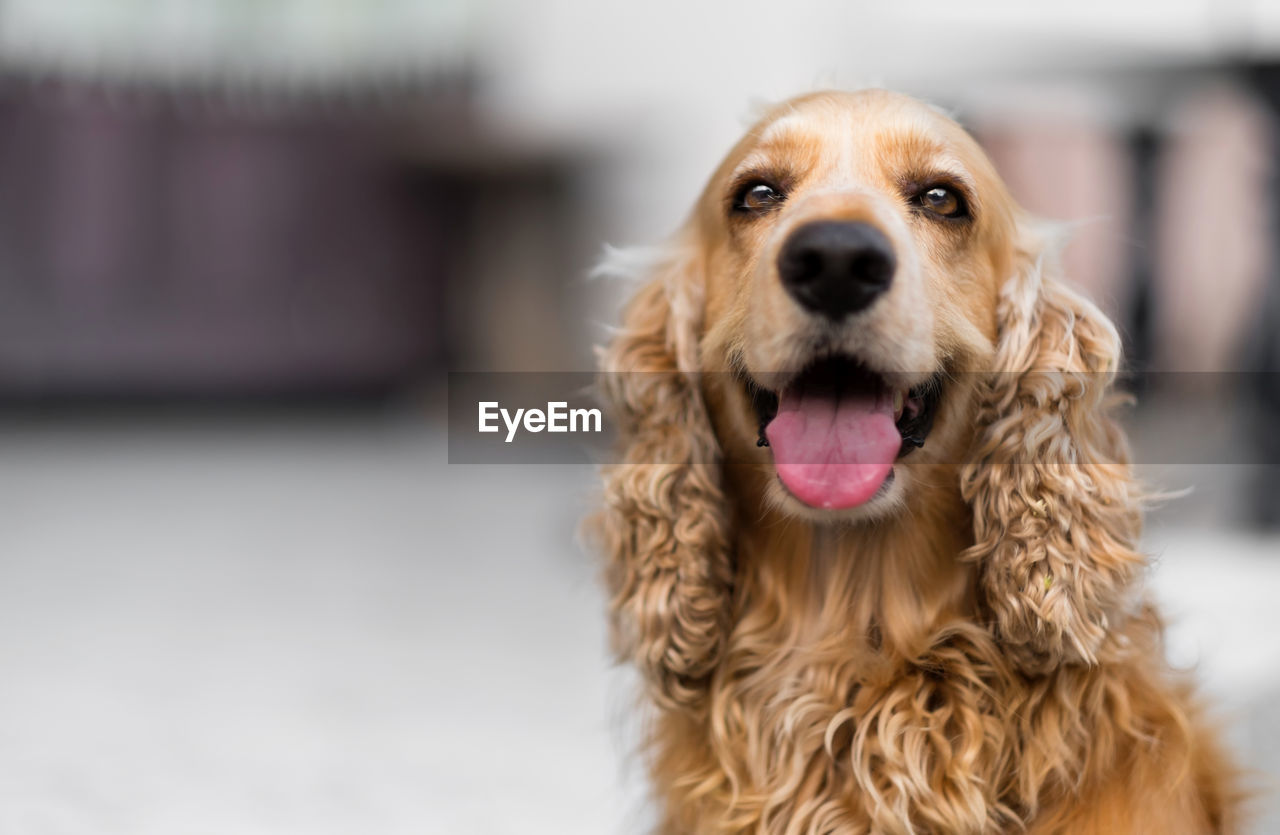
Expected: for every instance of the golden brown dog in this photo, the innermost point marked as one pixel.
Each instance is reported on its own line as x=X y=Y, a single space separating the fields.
x=872 y=543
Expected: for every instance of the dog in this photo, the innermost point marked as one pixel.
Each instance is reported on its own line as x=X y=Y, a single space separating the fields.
x=871 y=541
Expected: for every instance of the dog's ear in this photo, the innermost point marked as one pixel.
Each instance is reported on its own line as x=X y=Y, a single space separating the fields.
x=1056 y=513
x=663 y=527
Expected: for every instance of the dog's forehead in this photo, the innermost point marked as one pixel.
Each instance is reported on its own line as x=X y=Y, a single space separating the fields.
x=851 y=131
x=856 y=114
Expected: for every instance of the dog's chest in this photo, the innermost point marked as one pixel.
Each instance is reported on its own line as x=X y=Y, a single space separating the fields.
x=821 y=724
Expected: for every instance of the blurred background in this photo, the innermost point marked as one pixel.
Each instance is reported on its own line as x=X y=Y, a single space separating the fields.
x=242 y=242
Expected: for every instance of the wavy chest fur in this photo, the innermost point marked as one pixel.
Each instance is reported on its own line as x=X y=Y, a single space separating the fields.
x=857 y=694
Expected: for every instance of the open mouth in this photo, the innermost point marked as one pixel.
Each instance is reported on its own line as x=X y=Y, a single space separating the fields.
x=837 y=428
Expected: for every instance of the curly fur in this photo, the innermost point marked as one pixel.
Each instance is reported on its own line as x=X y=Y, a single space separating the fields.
x=670 y=571
x=1056 y=516
x=982 y=663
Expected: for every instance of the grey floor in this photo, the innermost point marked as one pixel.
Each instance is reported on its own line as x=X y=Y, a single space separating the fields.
x=319 y=626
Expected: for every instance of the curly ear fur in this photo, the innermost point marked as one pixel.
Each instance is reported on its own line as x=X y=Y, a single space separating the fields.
x=663 y=526
x=1056 y=514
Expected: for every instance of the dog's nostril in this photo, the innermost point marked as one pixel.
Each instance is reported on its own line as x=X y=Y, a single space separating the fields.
x=835 y=267
x=872 y=267
x=810 y=262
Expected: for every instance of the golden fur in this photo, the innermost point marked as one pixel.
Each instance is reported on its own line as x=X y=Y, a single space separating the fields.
x=968 y=653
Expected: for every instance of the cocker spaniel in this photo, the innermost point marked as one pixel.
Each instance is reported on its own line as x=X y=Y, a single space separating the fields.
x=872 y=539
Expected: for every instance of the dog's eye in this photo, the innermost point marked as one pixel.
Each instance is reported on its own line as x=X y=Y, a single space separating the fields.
x=942 y=201
x=757 y=198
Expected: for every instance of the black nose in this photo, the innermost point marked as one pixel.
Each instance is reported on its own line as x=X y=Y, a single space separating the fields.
x=836 y=267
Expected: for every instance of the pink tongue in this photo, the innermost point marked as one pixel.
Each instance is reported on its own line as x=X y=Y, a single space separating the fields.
x=834 y=453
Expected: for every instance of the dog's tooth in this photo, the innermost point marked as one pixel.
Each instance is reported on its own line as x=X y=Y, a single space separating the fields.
x=897 y=400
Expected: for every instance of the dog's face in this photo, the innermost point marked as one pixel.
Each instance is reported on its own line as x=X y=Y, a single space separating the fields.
x=857 y=292
x=854 y=282
x=852 y=247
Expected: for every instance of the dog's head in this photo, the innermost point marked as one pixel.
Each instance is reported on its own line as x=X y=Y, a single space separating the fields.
x=852 y=250
x=855 y=312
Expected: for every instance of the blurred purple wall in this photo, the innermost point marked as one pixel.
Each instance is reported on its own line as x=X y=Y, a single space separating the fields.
x=153 y=244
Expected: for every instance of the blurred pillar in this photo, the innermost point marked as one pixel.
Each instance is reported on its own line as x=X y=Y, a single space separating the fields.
x=1073 y=168
x=1212 y=224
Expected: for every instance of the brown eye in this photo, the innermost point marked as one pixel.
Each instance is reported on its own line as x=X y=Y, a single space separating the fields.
x=757 y=198
x=942 y=201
